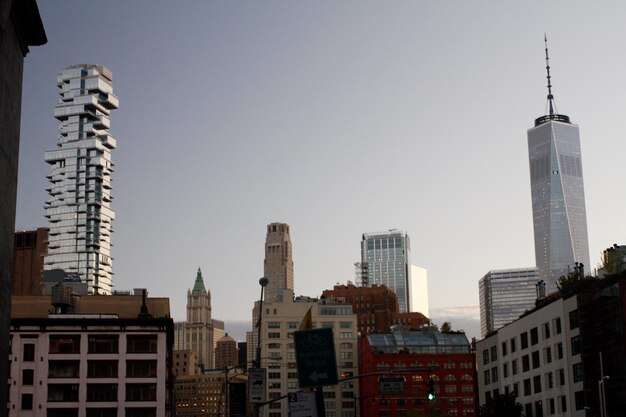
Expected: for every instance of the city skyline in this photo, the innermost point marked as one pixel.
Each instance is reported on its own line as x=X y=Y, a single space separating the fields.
x=235 y=116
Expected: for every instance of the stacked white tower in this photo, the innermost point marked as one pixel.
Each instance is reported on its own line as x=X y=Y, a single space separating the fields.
x=78 y=209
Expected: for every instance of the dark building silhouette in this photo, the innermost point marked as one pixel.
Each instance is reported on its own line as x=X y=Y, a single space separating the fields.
x=20 y=27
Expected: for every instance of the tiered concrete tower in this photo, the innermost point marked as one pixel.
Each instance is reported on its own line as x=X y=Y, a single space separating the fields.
x=278 y=263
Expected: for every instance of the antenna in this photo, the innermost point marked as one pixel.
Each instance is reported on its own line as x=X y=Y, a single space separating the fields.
x=550 y=96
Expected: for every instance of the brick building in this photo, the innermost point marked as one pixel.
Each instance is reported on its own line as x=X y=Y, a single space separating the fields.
x=446 y=358
x=376 y=308
x=30 y=248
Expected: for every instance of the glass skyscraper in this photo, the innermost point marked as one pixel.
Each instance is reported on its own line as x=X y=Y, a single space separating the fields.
x=558 y=194
x=504 y=295
x=78 y=209
x=386 y=255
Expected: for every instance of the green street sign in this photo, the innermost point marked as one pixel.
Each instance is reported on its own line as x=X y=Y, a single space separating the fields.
x=315 y=357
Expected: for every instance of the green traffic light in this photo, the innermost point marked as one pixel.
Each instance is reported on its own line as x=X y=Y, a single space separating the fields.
x=431 y=397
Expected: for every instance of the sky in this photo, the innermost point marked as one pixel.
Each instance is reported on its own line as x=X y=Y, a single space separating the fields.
x=338 y=118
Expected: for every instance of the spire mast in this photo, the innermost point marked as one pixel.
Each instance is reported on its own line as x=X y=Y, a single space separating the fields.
x=550 y=96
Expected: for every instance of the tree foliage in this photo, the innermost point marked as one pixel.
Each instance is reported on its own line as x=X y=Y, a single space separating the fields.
x=446 y=327
x=502 y=405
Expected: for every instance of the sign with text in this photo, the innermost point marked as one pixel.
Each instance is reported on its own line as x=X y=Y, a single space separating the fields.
x=257 y=378
x=391 y=385
x=302 y=404
x=315 y=357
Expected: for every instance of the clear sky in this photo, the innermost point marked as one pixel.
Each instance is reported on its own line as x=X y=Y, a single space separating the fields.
x=338 y=118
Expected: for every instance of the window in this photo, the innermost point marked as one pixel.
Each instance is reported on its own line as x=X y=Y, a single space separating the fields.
x=563 y=404
x=141 y=412
x=485 y=357
x=62 y=392
x=487 y=377
x=274 y=346
x=273 y=325
x=141 y=369
x=505 y=370
x=525 y=363
x=551 y=407
x=537 y=383
x=503 y=348
x=549 y=380
x=524 y=339
x=273 y=335
x=573 y=319
x=63 y=369
x=513 y=347
x=546 y=330
x=557 y=324
x=345 y=335
x=101 y=392
x=534 y=336
x=140 y=392
x=548 y=355
x=514 y=366
x=345 y=345
x=103 y=344
x=65 y=343
x=494 y=374
x=579 y=400
x=516 y=389
x=27 y=401
x=559 y=350
x=293 y=325
x=101 y=412
x=494 y=353
x=527 y=387
x=62 y=412
x=535 y=357
x=345 y=324
x=141 y=344
x=561 y=376
x=28 y=376
x=538 y=408
x=575 y=345
x=29 y=353
x=578 y=372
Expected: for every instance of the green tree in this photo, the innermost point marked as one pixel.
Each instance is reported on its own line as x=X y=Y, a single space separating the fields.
x=446 y=327
x=572 y=283
x=502 y=405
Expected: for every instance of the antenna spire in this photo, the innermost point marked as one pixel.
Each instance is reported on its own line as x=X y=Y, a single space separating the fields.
x=550 y=96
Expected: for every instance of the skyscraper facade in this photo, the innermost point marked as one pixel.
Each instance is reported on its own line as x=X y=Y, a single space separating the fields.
x=504 y=295
x=387 y=256
x=78 y=210
x=199 y=325
x=558 y=194
x=278 y=263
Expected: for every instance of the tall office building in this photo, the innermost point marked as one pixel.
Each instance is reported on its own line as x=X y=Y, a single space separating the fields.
x=558 y=194
x=79 y=209
x=199 y=325
x=387 y=259
x=504 y=295
x=278 y=263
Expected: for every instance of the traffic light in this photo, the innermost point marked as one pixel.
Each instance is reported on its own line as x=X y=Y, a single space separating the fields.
x=431 y=390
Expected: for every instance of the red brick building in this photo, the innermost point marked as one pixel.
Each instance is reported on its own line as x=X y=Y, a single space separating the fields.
x=29 y=250
x=446 y=358
x=376 y=307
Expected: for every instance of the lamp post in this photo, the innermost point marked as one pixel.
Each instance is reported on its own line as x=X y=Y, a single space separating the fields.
x=263 y=281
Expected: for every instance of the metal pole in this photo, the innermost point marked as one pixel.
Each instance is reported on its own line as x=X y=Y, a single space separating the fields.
x=601 y=388
x=257 y=362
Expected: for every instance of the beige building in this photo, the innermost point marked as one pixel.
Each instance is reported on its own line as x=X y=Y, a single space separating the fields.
x=278 y=263
x=104 y=355
x=185 y=363
x=199 y=326
x=280 y=319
